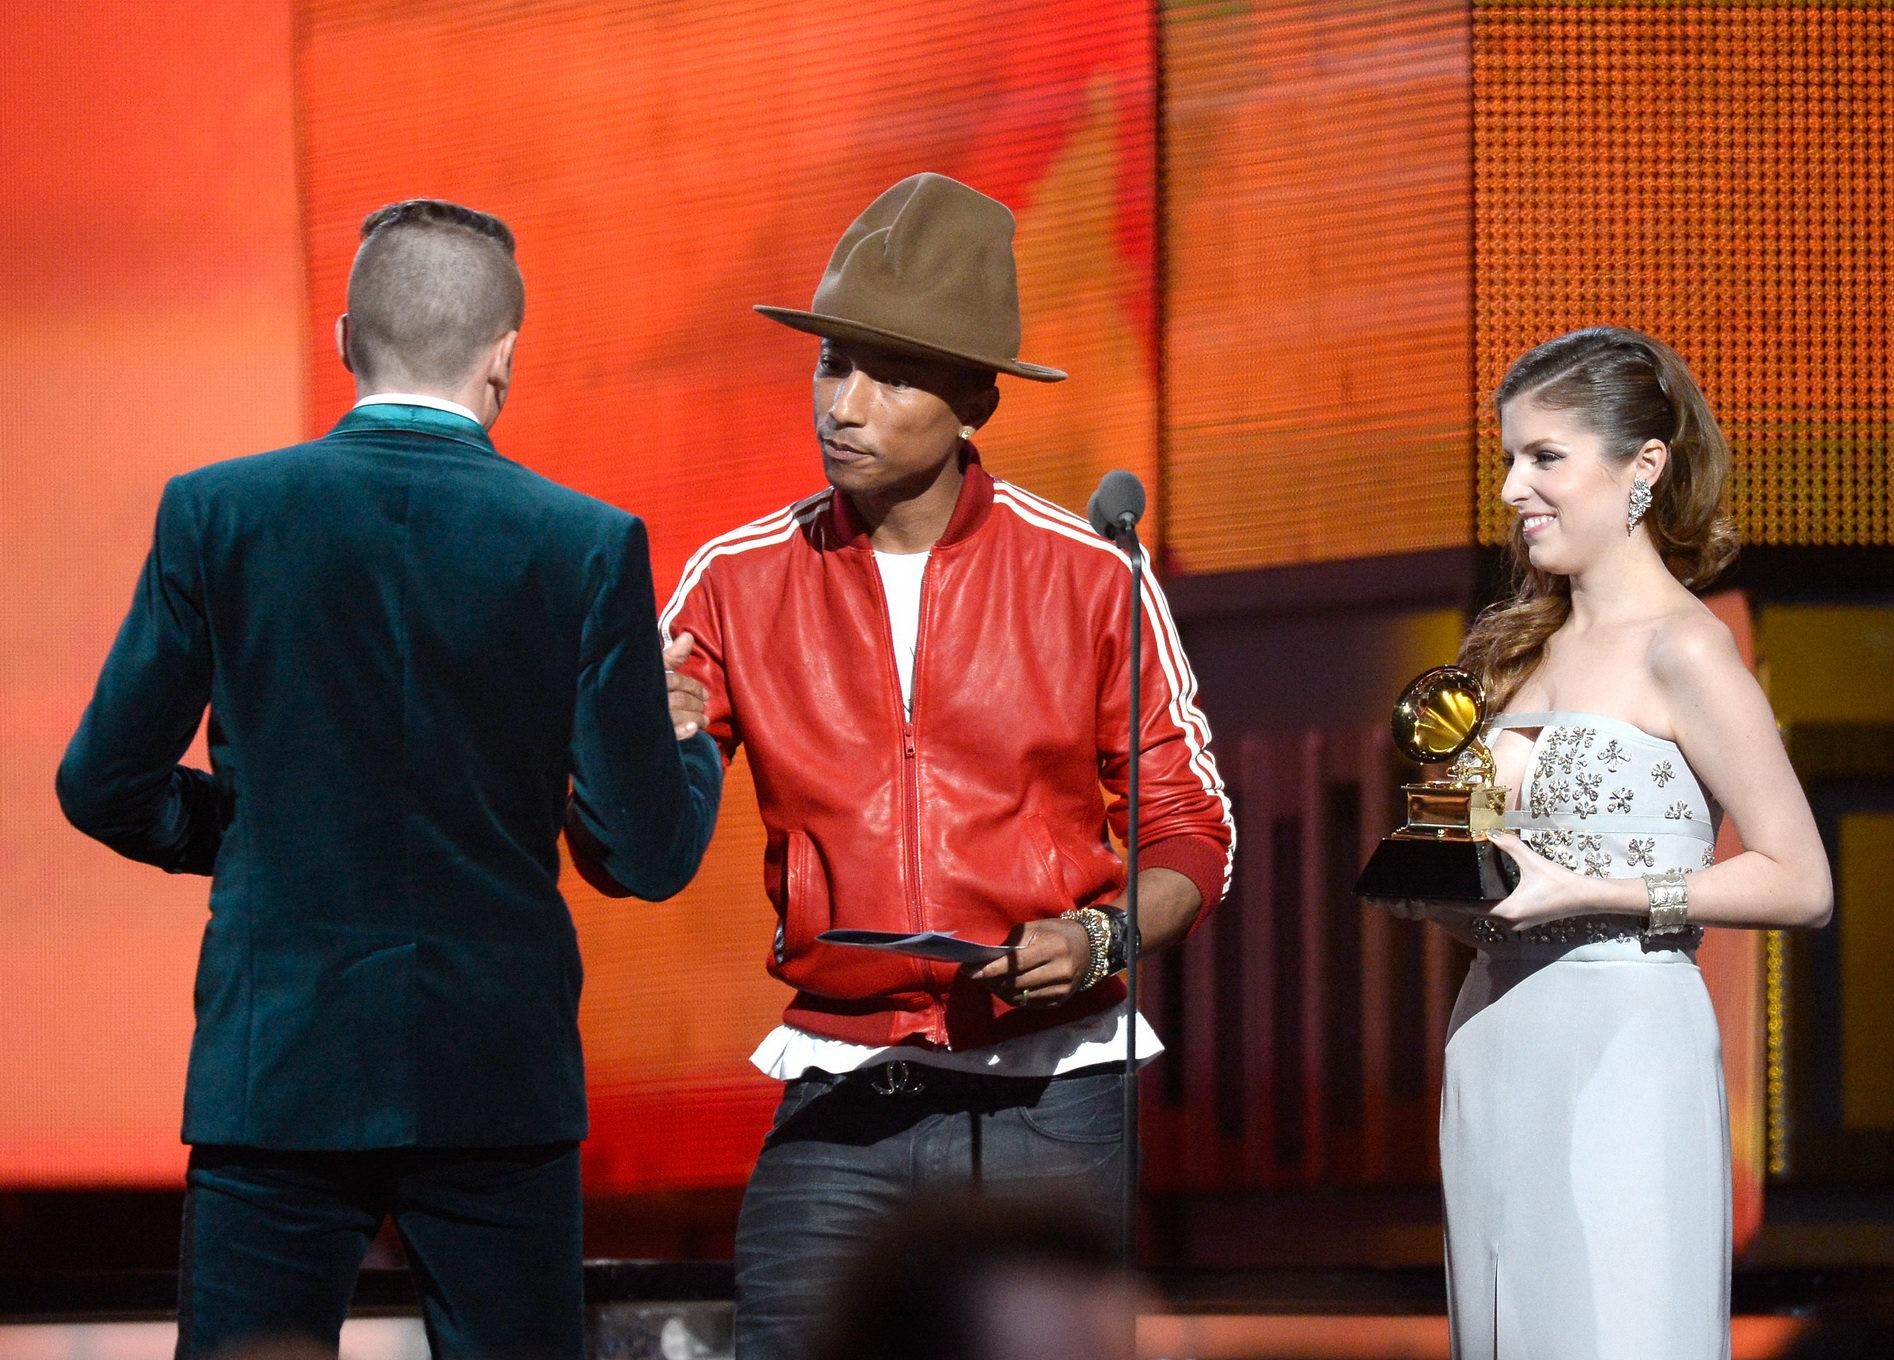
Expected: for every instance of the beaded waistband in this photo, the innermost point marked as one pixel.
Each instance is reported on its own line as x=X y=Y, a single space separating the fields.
x=1495 y=937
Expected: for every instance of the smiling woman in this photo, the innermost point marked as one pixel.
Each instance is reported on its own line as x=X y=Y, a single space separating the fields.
x=1633 y=727
x=1637 y=398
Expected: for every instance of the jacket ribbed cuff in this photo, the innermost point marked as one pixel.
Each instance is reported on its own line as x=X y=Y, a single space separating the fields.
x=1198 y=858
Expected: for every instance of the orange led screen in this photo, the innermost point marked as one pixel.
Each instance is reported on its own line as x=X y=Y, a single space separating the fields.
x=1319 y=282
x=151 y=285
x=1717 y=175
x=666 y=166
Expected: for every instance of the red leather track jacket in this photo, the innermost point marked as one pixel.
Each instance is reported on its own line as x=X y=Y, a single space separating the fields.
x=984 y=809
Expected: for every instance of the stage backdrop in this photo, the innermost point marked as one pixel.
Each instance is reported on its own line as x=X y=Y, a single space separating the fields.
x=1364 y=212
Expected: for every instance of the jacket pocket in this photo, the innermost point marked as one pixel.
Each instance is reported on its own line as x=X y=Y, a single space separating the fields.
x=1058 y=885
x=806 y=907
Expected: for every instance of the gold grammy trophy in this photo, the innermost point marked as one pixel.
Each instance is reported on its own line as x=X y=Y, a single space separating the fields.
x=1442 y=853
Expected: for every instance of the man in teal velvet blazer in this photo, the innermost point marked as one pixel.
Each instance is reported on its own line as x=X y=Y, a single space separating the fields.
x=419 y=659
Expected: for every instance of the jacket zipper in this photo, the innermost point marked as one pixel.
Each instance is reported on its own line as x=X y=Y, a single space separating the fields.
x=911 y=827
x=910 y=772
x=936 y=1029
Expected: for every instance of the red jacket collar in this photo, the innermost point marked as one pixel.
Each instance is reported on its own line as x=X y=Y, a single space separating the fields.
x=976 y=498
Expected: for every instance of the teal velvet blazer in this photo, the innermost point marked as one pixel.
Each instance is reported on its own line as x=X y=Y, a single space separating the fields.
x=411 y=648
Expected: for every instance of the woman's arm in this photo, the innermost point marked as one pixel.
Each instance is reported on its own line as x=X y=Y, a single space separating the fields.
x=1727 y=733
x=1729 y=736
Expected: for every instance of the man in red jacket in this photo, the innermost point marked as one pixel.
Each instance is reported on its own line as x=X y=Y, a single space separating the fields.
x=929 y=668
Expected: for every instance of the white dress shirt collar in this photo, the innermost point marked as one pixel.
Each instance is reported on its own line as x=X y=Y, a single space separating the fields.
x=416 y=399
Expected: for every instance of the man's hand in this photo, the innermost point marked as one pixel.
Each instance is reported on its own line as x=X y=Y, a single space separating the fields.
x=1052 y=956
x=688 y=696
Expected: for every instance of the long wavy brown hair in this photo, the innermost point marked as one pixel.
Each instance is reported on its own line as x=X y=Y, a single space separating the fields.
x=1627 y=388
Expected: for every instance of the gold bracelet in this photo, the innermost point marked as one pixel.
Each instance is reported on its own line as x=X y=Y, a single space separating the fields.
x=1098 y=936
x=1670 y=902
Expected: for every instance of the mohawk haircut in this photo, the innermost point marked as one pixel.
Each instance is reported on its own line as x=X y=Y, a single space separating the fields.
x=433 y=284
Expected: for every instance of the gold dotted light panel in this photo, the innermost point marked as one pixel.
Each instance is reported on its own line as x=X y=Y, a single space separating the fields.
x=1717 y=176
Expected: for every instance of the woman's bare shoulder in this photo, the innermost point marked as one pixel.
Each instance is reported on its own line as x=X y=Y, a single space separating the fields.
x=1690 y=646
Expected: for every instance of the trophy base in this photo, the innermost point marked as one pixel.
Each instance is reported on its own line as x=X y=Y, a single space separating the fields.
x=1437 y=871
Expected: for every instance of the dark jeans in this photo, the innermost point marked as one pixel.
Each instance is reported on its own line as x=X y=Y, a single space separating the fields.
x=273 y=1241
x=841 y=1156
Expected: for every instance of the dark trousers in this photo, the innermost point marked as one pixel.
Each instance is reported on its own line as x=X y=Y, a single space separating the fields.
x=842 y=1155
x=273 y=1242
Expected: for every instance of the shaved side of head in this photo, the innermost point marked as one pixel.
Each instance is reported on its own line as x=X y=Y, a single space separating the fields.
x=433 y=285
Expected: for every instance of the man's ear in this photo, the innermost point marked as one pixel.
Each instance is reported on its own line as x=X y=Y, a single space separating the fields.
x=342 y=340
x=499 y=375
x=979 y=408
x=500 y=364
x=503 y=355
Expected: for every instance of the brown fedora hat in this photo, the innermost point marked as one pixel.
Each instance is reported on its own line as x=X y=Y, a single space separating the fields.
x=928 y=268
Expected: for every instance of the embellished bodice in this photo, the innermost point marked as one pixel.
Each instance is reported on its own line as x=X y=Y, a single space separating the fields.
x=1604 y=798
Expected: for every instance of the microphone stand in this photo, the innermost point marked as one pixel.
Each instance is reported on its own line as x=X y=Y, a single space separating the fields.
x=1113 y=513
x=1128 y=539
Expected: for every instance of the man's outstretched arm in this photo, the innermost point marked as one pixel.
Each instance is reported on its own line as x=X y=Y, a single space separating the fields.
x=643 y=803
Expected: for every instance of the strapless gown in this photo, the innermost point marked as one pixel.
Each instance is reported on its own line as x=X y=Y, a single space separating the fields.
x=1584 y=1136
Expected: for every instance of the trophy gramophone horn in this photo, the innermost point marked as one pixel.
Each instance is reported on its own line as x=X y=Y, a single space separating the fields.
x=1437 y=721
x=1441 y=853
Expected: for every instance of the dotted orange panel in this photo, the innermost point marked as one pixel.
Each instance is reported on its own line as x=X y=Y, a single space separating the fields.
x=1319 y=304
x=1717 y=175
x=664 y=167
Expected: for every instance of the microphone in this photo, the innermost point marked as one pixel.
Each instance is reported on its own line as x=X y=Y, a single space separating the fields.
x=1117 y=506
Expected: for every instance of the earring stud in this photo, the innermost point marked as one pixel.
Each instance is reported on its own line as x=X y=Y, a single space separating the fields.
x=966 y=432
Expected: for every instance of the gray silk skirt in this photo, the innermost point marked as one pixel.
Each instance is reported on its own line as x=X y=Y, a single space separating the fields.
x=1585 y=1158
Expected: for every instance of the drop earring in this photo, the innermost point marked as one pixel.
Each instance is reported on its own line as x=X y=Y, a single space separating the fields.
x=1640 y=502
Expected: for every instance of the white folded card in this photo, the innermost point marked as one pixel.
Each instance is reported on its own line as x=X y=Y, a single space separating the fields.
x=944 y=945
